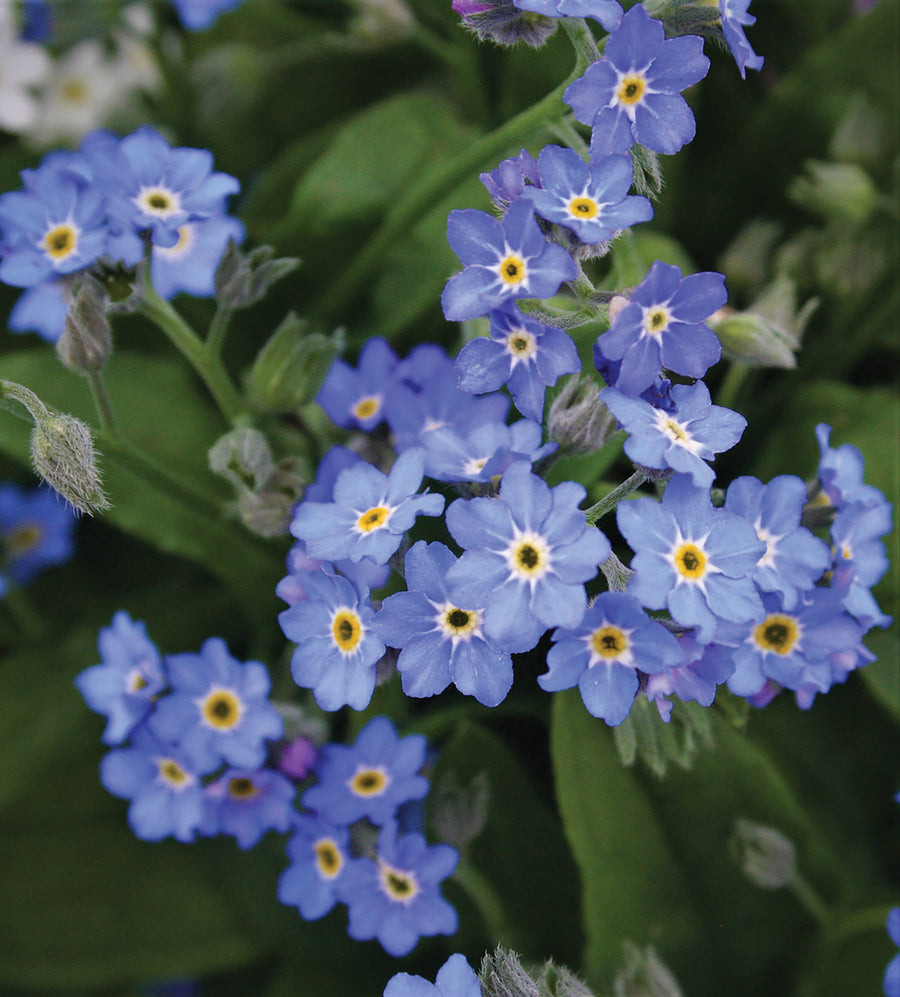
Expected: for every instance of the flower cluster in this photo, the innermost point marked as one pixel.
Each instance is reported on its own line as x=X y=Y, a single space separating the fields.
x=113 y=201
x=389 y=878
x=36 y=532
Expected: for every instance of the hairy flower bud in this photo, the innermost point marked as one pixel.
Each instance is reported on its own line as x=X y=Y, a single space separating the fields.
x=502 y=22
x=242 y=279
x=86 y=342
x=459 y=812
x=62 y=453
x=645 y=975
x=766 y=857
x=502 y=975
x=578 y=421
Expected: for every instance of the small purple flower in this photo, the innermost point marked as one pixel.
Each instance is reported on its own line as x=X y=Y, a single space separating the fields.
x=795 y=559
x=633 y=94
x=590 y=199
x=162 y=783
x=692 y=559
x=354 y=398
x=603 y=655
x=734 y=19
x=396 y=898
x=703 y=670
x=440 y=642
x=247 y=803
x=218 y=710
x=663 y=325
x=504 y=260
x=527 y=556
x=455 y=978
x=319 y=853
x=511 y=178
x=127 y=682
x=371 y=778
x=522 y=353
x=682 y=439
x=36 y=532
x=370 y=512
x=336 y=650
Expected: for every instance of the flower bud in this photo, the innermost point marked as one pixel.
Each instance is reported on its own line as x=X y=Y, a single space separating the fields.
x=766 y=857
x=645 y=975
x=62 y=453
x=502 y=975
x=502 y=22
x=242 y=279
x=836 y=191
x=86 y=342
x=459 y=812
x=578 y=421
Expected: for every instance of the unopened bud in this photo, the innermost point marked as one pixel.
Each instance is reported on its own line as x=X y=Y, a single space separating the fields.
x=616 y=304
x=382 y=20
x=459 y=812
x=836 y=191
x=766 y=857
x=502 y=22
x=645 y=975
x=502 y=975
x=748 y=257
x=86 y=342
x=290 y=368
x=62 y=453
x=578 y=421
x=243 y=457
x=242 y=278
x=859 y=137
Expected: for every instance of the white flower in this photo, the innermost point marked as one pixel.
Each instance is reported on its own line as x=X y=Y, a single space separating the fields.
x=23 y=65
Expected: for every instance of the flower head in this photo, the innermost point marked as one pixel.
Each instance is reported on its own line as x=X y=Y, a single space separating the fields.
x=734 y=19
x=455 y=978
x=36 y=532
x=319 y=853
x=246 y=803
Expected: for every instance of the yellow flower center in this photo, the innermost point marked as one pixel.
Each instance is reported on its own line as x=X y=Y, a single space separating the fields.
x=528 y=557
x=346 y=628
x=61 y=241
x=583 y=207
x=136 y=681
x=631 y=89
x=74 y=91
x=656 y=321
x=184 y=243
x=459 y=622
x=398 y=885
x=690 y=561
x=242 y=788
x=172 y=773
x=365 y=408
x=675 y=431
x=328 y=858
x=373 y=519
x=609 y=641
x=521 y=344
x=22 y=539
x=221 y=709
x=158 y=201
x=512 y=270
x=777 y=633
x=369 y=781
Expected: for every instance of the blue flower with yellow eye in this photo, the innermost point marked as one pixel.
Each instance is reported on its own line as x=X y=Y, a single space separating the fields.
x=527 y=556
x=455 y=978
x=36 y=532
x=503 y=260
x=336 y=649
x=371 y=778
x=396 y=897
x=633 y=94
x=370 y=511
x=218 y=710
x=354 y=396
x=694 y=560
x=319 y=853
x=130 y=678
x=246 y=803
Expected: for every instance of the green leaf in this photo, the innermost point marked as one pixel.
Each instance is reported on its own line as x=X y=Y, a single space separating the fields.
x=518 y=870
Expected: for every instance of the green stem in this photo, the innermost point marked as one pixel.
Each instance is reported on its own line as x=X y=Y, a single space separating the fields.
x=732 y=383
x=102 y=404
x=218 y=330
x=612 y=499
x=810 y=900
x=432 y=189
x=27 y=619
x=485 y=898
x=205 y=361
x=858 y=922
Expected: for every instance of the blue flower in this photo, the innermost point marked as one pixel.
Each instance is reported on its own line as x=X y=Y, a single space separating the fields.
x=682 y=439
x=633 y=94
x=795 y=559
x=36 y=532
x=370 y=512
x=246 y=803
x=130 y=678
x=396 y=898
x=198 y=15
x=527 y=555
x=607 y=12
x=692 y=559
x=590 y=199
x=483 y=452
x=604 y=653
x=510 y=178
x=860 y=558
x=663 y=325
x=56 y=226
x=162 y=783
x=455 y=978
x=336 y=650
x=319 y=853
x=891 y=982
x=503 y=261
x=734 y=19
x=218 y=710
x=41 y=309
x=703 y=669
x=371 y=778
x=440 y=642
x=841 y=473
x=355 y=397
x=522 y=353
x=190 y=265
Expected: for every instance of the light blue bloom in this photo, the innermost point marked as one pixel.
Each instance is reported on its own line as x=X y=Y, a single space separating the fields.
x=734 y=19
x=197 y=15
x=319 y=853
x=246 y=803
x=354 y=397
x=607 y=12
x=455 y=978
x=41 y=309
x=36 y=532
